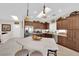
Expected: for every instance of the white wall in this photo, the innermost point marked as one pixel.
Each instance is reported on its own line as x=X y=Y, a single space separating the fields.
x=6 y=22
x=9 y=34
x=16 y=31
x=52 y=27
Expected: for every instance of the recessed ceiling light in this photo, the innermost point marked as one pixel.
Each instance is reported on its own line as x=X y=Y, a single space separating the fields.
x=59 y=10
x=35 y=12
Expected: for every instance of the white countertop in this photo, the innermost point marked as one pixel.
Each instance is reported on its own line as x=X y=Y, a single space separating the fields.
x=10 y=47
x=43 y=45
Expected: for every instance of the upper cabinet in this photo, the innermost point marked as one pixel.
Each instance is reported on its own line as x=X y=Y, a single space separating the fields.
x=71 y=22
x=37 y=24
x=61 y=23
x=76 y=22
x=46 y=25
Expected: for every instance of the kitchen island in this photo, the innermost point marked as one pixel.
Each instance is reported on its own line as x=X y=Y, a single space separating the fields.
x=45 y=45
x=10 y=47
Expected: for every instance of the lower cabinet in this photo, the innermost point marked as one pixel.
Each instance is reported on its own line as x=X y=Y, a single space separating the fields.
x=77 y=39
x=70 y=44
x=77 y=46
x=46 y=35
x=71 y=41
x=62 y=40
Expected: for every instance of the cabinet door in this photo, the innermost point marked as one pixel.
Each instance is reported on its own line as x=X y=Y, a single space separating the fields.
x=77 y=46
x=69 y=41
x=70 y=23
x=47 y=26
x=77 y=40
x=76 y=22
x=74 y=39
x=62 y=40
x=64 y=24
x=42 y=26
x=59 y=24
x=70 y=34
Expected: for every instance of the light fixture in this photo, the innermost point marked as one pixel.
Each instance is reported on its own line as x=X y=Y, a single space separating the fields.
x=59 y=10
x=27 y=17
x=43 y=14
x=16 y=19
x=44 y=11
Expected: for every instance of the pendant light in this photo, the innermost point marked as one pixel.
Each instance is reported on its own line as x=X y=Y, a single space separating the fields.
x=27 y=9
x=27 y=17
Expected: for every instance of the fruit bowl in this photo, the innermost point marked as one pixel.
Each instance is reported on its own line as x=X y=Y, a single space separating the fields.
x=35 y=37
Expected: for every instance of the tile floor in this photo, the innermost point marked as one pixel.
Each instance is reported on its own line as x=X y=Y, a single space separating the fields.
x=63 y=51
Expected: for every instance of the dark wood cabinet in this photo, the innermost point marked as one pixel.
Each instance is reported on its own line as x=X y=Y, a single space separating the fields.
x=62 y=40
x=59 y=24
x=71 y=24
x=76 y=35
x=70 y=42
x=37 y=24
x=46 y=35
x=62 y=24
x=46 y=25
x=76 y=22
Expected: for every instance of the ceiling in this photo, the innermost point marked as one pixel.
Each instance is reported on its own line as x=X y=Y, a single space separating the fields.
x=20 y=10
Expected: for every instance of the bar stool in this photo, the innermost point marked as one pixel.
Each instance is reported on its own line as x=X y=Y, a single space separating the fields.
x=54 y=52
x=36 y=53
x=23 y=52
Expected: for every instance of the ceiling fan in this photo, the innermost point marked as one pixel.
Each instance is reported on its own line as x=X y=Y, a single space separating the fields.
x=44 y=13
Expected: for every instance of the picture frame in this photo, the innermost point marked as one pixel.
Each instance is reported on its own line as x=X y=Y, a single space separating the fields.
x=6 y=27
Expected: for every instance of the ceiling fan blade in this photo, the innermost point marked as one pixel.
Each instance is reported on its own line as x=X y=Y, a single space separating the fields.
x=47 y=10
